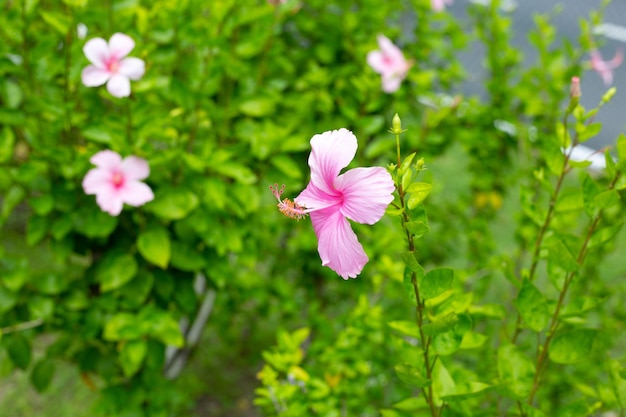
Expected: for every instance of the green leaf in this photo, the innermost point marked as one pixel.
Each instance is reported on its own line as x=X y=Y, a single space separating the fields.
x=417 y=228
x=132 y=356
x=572 y=346
x=162 y=326
x=411 y=375
x=51 y=283
x=287 y=166
x=19 y=350
x=410 y=260
x=467 y=390
x=36 y=229
x=116 y=270
x=560 y=254
x=589 y=131
x=42 y=374
x=532 y=306
x=447 y=343
x=60 y=22
x=8 y=299
x=516 y=371
x=404 y=166
x=186 y=258
x=173 y=203
x=606 y=199
x=7 y=143
x=97 y=134
x=42 y=205
x=436 y=282
x=239 y=172
x=154 y=246
x=419 y=191
x=473 y=340
x=407 y=328
x=122 y=326
x=258 y=106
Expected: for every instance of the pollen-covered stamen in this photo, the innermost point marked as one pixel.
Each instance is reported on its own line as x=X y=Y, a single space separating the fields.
x=289 y=208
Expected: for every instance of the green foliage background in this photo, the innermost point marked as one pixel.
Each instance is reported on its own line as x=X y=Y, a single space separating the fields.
x=233 y=92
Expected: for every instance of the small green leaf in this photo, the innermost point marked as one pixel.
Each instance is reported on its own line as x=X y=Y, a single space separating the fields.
x=589 y=131
x=186 y=258
x=162 y=326
x=417 y=228
x=7 y=143
x=606 y=199
x=467 y=390
x=42 y=374
x=60 y=22
x=410 y=261
x=122 y=326
x=115 y=271
x=436 y=282
x=572 y=346
x=173 y=203
x=132 y=356
x=447 y=343
x=258 y=106
x=407 y=328
x=532 y=306
x=19 y=350
x=405 y=165
x=559 y=253
x=516 y=371
x=419 y=191
x=411 y=375
x=154 y=246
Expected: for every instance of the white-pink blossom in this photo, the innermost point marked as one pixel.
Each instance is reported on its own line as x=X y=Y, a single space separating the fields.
x=110 y=64
x=440 y=5
x=605 y=68
x=390 y=63
x=116 y=181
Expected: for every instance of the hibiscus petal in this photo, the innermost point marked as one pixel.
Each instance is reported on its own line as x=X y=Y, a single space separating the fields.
x=375 y=60
x=93 y=76
x=330 y=152
x=133 y=68
x=97 y=51
x=95 y=180
x=338 y=246
x=390 y=51
x=391 y=84
x=135 y=168
x=314 y=198
x=106 y=159
x=366 y=193
x=109 y=200
x=120 y=45
x=135 y=193
x=119 y=86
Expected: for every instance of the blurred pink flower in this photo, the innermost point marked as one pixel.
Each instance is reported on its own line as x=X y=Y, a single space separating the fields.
x=440 y=5
x=390 y=63
x=116 y=181
x=110 y=65
x=605 y=68
x=360 y=194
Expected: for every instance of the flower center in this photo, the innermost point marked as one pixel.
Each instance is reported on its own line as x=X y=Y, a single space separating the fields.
x=112 y=65
x=289 y=208
x=117 y=180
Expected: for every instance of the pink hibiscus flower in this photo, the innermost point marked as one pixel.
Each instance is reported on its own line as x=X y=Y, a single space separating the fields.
x=440 y=5
x=390 y=63
x=116 y=181
x=605 y=68
x=110 y=65
x=360 y=194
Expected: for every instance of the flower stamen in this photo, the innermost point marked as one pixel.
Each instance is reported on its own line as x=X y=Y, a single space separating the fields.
x=287 y=207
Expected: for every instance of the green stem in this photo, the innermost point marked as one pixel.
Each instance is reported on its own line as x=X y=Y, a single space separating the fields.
x=21 y=326
x=420 y=304
x=554 y=322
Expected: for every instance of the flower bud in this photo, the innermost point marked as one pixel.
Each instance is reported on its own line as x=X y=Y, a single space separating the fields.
x=574 y=91
x=396 y=125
